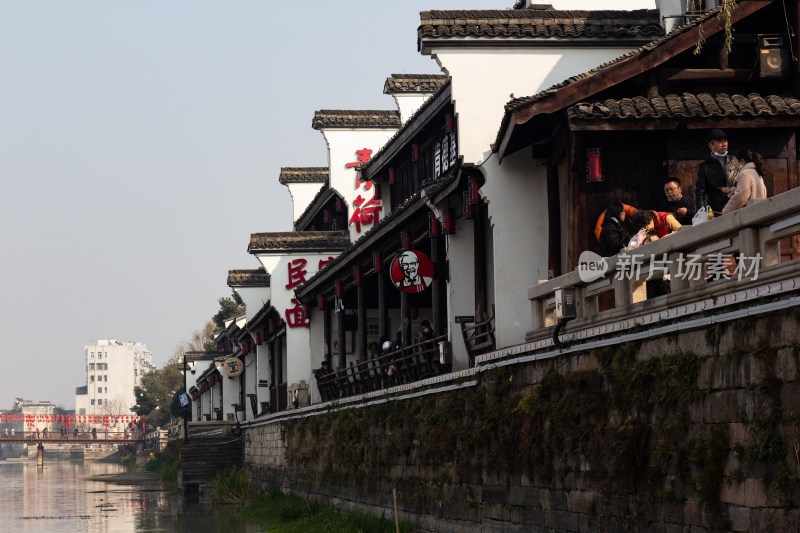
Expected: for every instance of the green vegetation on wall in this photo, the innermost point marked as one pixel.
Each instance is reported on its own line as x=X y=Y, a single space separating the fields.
x=624 y=424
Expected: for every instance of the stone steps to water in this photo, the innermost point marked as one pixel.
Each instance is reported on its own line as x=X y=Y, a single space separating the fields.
x=203 y=458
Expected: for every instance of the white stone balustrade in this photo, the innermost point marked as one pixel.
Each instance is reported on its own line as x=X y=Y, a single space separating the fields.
x=755 y=231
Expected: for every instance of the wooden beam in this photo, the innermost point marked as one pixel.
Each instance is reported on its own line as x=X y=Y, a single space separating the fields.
x=694 y=74
x=652 y=124
x=630 y=67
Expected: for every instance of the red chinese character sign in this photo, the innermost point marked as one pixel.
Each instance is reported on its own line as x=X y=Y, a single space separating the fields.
x=297 y=273
x=366 y=211
x=412 y=271
x=296 y=316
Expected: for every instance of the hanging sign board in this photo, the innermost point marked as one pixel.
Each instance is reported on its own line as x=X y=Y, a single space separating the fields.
x=412 y=271
x=233 y=367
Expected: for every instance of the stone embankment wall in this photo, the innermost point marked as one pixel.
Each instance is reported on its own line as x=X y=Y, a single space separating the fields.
x=695 y=431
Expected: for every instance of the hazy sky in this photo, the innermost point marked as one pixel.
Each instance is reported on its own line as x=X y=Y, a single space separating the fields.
x=140 y=145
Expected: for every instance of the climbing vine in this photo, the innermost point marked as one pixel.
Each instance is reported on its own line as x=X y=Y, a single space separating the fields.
x=726 y=9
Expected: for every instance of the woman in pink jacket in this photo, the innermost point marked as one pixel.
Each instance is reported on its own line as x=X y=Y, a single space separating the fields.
x=750 y=183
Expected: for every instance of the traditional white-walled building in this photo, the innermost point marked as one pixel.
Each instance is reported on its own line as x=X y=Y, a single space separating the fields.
x=113 y=369
x=425 y=178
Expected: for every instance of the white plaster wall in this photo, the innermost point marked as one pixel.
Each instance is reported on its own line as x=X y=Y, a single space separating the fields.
x=302 y=194
x=485 y=78
x=461 y=286
x=298 y=349
x=342 y=146
x=516 y=194
x=250 y=383
x=409 y=103
x=262 y=351
x=254 y=299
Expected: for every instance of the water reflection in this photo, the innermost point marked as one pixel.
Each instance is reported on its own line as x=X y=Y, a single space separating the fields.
x=59 y=498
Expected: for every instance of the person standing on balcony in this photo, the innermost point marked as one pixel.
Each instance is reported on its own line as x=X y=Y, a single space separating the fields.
x=750 y=184
x=681 y=207
x=717 y=175
x=613 y=237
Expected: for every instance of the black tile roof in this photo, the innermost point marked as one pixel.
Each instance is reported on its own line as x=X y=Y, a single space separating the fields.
x=328 y=118
x=686 y=105
x=296 y=240
x=303 y=175
x=252 y=278
x=413 y=83
x=538 y=24
x=516 y=104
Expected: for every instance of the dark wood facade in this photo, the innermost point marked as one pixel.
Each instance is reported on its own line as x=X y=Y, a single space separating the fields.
x=649 y=113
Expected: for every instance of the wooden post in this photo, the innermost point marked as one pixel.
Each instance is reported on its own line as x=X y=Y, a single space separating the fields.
x=383 y=309
x=405 y=318
x=436 y=287
x=342 y=341
x=396 y=518
x=362 y=323
x=479 y=243
x=326 y=313
x=279 y=358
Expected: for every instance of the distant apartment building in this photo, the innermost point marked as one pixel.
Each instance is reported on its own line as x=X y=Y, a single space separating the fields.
x=113 y=369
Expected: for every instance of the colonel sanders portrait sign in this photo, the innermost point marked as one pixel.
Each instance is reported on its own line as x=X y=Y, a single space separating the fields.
x=412 y=271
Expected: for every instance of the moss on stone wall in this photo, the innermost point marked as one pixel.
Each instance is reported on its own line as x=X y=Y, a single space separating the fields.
x=626 y=425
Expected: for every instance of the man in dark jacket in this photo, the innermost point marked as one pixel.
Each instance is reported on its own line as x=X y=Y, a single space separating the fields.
x=716 y=175
x=613 y=236
x=682 y=207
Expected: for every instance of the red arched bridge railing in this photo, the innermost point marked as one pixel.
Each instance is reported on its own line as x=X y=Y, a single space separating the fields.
x=76 y=437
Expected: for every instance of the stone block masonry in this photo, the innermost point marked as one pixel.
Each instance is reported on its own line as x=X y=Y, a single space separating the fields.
x=696 y=431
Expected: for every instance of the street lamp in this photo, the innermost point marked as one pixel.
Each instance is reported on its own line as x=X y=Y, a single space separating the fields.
x=185 y=408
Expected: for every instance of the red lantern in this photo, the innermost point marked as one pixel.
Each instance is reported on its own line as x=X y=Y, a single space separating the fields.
x=451 y=122
x=594 y=165
x=326 y=217
x=321 y=302
x=377 y=261
x=356 y=275
x=405 y=240
x=415 y=152
x=306 y=311
x=469 y=207
x=449 y=224
x=434 y=228
x=376 y=187
x=339 y=290
x=474 y=196
x=339 y=204
x=392 y=176
x=272 y=326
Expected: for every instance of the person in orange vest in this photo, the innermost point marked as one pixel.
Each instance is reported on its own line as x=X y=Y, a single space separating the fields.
x=598 y=227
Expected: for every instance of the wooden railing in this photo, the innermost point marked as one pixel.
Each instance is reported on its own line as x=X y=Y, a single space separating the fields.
x=405 y=365
x=479 y=336
x=70 y=436
x=761 y=238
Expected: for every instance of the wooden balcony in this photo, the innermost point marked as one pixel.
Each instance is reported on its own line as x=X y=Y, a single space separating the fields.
x=406 y=365
x=763 y=237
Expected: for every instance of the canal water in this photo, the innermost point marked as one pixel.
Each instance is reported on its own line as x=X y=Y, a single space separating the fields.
x=60 y=498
